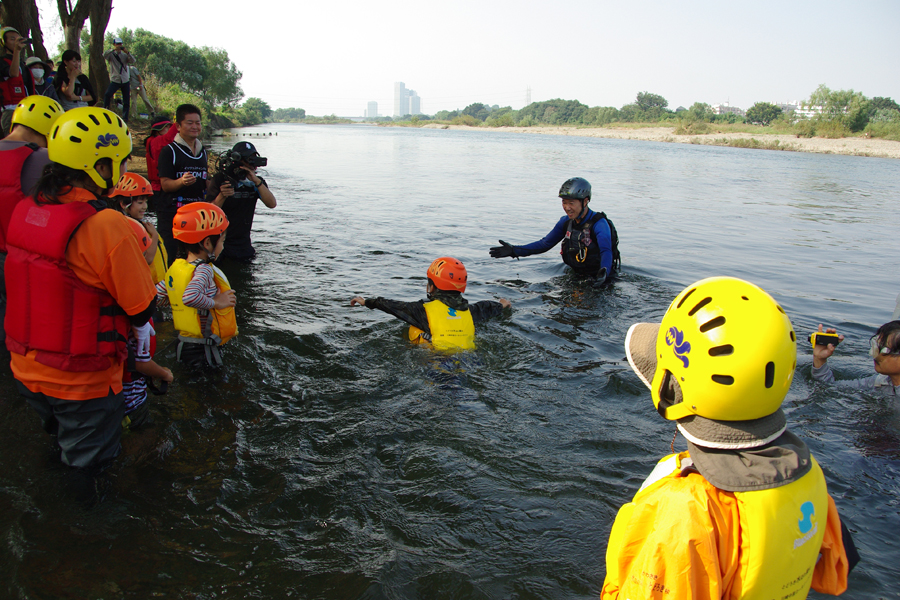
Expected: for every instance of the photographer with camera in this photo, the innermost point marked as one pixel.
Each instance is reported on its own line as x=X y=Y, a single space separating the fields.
x=16 y=82
x=119 y=60
x=235 y=188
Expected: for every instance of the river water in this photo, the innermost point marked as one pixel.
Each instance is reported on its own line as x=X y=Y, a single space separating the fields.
x=332 y=460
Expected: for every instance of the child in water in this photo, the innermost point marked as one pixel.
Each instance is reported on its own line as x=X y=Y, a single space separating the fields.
x=135 y=383
x=446 y=320
x=884 y=348
x=130 y=196
x=202 y=300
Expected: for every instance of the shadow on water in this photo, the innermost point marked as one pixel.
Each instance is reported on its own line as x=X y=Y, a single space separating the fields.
x=331 y=459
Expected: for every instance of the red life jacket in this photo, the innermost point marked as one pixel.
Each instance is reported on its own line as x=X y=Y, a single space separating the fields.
x=11 y=185
x=12 y=89
x=73 y=326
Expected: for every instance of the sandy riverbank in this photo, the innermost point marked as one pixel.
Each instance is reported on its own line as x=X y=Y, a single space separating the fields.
x=850 y=146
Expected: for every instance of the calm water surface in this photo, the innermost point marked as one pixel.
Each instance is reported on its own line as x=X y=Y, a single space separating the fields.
x=332 y=460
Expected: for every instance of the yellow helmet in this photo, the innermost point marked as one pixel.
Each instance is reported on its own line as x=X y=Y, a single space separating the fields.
x=37 y=112
x=82 y=136
x=729 y=347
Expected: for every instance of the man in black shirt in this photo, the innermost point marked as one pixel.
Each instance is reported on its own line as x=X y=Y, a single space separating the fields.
x=236 y=188
x=183 y=172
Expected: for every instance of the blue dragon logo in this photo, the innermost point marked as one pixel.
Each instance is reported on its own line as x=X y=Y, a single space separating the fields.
x=451 y=312
x=809 y=512
x=110 y=139
x=682 y=348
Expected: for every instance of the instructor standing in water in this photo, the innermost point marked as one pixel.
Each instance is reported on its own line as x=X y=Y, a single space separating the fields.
x=590 y=243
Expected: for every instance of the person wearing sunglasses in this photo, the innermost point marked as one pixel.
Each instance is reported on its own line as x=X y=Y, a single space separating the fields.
x=884 y=348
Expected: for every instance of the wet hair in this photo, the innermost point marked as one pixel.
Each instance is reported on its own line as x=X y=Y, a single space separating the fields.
x=184 y=110
x=889 y=335
x=57 y=180
x=184 y=248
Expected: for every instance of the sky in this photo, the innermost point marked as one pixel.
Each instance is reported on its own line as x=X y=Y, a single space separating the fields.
x=334 y=57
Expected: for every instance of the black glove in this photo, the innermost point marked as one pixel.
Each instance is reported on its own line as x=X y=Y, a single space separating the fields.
x=503 y=251
x=600 y=279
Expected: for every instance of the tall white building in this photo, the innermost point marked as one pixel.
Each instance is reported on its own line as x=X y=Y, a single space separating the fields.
x=372 y=110
x=415 y=103
x=401 y=99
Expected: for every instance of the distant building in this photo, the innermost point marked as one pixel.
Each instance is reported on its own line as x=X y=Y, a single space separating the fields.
x=800 y=109
x=415 y=103
x=726 y=108
x=372 y=110
x=401 y=99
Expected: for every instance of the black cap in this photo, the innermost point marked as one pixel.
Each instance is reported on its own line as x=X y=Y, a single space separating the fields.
x=245 y=149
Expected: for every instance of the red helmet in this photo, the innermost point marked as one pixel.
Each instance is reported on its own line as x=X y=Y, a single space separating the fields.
x=132 y=185
x=197 y=221
x=143 y=238
x=448 y=274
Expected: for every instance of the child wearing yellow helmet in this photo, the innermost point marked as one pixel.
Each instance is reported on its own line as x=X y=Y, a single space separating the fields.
x=446 y=320
x=745 y=512
x=201 y=298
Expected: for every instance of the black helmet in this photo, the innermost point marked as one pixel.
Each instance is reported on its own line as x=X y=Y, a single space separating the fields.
x=576 y=188
x=246 y=150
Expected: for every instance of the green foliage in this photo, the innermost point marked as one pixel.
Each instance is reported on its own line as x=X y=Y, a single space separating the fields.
x=701 y=112
x=648 y=102
x=763 y=113
x=477 y=110
x=847 y=108
x=205 y=72
x=526 y=121
x=288 y=115
x=504 y=119
x=888 y=130
x=730 y=118
x=600 y=115
x=885 y=115
x=832 y=129
x=254 y=111
x=446 y=115
x=806 y=128
x=555 y=112
x=878 y=103
x=466 y=120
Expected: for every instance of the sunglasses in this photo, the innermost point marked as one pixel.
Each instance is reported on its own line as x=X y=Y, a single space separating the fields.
x=875 y=350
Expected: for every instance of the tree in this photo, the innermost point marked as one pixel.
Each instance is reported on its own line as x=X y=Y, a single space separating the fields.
x=220 y=83
x=849 y=108
x=477 y=110
x=879 y=103
x=72 y=20
x=24 y=17
x=256 y=110
x=763 y=113
x=647 y=101
x=702 y=112
x=99 y=13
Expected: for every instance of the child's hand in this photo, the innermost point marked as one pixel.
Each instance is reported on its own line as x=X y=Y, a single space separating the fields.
x=504 y=302
x=225 y=299
x=822 y=353
x=150 y=227
x=357 y=300
x=168 y=375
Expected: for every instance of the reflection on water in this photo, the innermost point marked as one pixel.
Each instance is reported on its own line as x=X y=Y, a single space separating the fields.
x=333 y=460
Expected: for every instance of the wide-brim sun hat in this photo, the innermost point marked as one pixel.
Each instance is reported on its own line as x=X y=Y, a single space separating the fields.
x=641 y=351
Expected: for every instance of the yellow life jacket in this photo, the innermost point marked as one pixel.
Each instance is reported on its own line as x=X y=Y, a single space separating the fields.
x=451 y=330
x=160 y=262
x=221 y=322
x=781 y=531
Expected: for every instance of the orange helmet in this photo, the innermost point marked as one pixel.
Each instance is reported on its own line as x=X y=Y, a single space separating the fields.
x=132 y=185
x=197 y=221
x=143 y=238
x=448 y=274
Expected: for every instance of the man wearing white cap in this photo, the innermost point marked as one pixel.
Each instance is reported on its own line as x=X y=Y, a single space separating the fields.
x=745 y=512
x=119 y=58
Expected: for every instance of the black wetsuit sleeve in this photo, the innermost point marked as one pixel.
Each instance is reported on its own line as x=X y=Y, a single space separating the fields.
x=484 y=310
x=142 y=317
x=412 y=313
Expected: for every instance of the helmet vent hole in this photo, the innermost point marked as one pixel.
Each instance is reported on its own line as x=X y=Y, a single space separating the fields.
x=725 y=350
x=781 y=310
x=723 y=379
x=717 y=322
x=793 y=337
x=686 y=296
x=699 y=305
x=770 y=374
x=745 y=298
x=77 y=140
x=95 y=119
x=82 y=126
x=108 y=120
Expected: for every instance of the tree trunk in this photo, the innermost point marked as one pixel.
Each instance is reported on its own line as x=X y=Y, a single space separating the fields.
x=72 y=20
x=37 y=36
x=99 y=13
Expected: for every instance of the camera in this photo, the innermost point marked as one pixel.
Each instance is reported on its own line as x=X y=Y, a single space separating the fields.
x=823 y=339
x=229 y=163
